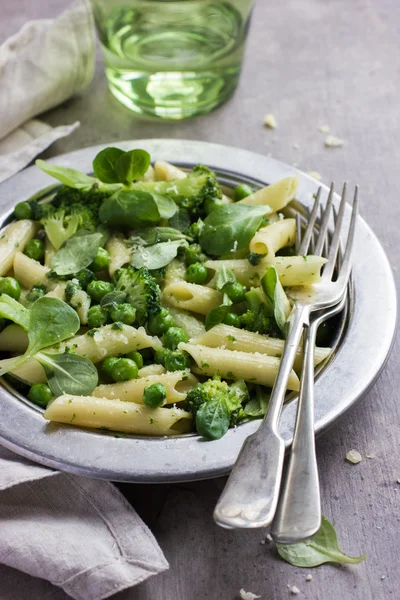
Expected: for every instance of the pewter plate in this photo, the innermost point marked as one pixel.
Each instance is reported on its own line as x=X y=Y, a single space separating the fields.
x=357 y=362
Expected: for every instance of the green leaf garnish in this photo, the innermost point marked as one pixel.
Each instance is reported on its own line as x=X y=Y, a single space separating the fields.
x=277 y=301
x=104 y=164
x=156 y=256
x=70 y=177
x=321 y=548
x=131 y=165
x=14 y=311
x=230 y=227
x=69 y=373
x=130 y=209
x=77 y=253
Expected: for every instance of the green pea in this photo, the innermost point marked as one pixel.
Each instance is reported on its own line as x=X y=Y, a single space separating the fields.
x=98 y=289
x=241 y=191
x=174 y=336
x=35 y=249
x=124 y=313
x=107 y=364
x=23 y=210
x=40 y=394
x=160 y=356
x=154 y=395
x=194 y=254
x=211 y=204
x=136 y=357
x=124 y=369
x=232 y=319
x=37 y=291
x=176 y=360
x=11 y=287
x=160 y=322
x=85 y=276
x=196 y=273
x=97 y=316
x=235 y=291
x=101 y=260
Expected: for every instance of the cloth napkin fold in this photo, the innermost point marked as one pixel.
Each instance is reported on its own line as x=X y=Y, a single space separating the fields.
x=79 y=534
x=42 y=65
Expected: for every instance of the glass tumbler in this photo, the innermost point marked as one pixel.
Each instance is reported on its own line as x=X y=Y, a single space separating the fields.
x=172 y=58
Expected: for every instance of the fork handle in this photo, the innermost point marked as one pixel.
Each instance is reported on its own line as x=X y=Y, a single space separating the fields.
x=251 y=493
x=298 y=515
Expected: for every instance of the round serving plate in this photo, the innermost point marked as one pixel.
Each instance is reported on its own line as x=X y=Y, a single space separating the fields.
x=357 y=362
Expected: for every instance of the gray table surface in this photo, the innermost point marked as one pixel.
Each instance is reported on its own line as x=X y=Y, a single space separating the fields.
x=309 y=62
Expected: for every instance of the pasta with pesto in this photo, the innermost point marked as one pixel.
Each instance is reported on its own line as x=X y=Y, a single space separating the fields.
x=148 y=299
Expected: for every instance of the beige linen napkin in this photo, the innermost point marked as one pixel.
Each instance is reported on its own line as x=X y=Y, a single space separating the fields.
x=77 y=533
x=41 y=66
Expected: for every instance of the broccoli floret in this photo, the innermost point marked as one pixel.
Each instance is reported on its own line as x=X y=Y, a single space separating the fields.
x=69 y=211
x=215 y=389
x=142 y=292
x=189 y=193
x=215 y=405
x=71 y=289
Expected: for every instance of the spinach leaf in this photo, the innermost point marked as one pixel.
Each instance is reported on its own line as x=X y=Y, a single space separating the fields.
x=70 y=177
x=104 y=164
x=131 y=165
x=51 y=321
x=230 y=227
x=216 y=316
x=224 y=276
x=257 y=406
x=112 y=299
x=76 y=254
x=154 y=235
x=130 y=209
x=321 y=548
x=69 y=373
x=156 y=256
x=212 y=419
x=13 y=310
x=276 y=298
x=166 y=206
x=180 y=220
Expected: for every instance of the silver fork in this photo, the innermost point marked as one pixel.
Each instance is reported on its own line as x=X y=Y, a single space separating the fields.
x=251 y=493
x=298 y=515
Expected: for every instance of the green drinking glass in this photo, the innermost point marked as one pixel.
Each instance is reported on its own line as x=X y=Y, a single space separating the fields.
x=172 y=58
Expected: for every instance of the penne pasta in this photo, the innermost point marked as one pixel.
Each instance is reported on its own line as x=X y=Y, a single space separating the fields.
x=177 y=384
x=292 y=270
x=175 y=271
x=190 y=324
x=13 y=240
x=273 y=237
x=151 y=370
x=164 y=171
x=191 y=296
x=231 y=364
x=232 y=338
x=30 y=272
x=106 y=341
x=128 y=417
x=119 y=253
x=276 y=196
x=49 y=252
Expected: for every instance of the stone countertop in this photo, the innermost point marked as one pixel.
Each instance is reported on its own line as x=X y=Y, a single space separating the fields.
x=309 y=62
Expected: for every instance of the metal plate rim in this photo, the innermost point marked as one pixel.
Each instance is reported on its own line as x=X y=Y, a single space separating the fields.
x=351 y=373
